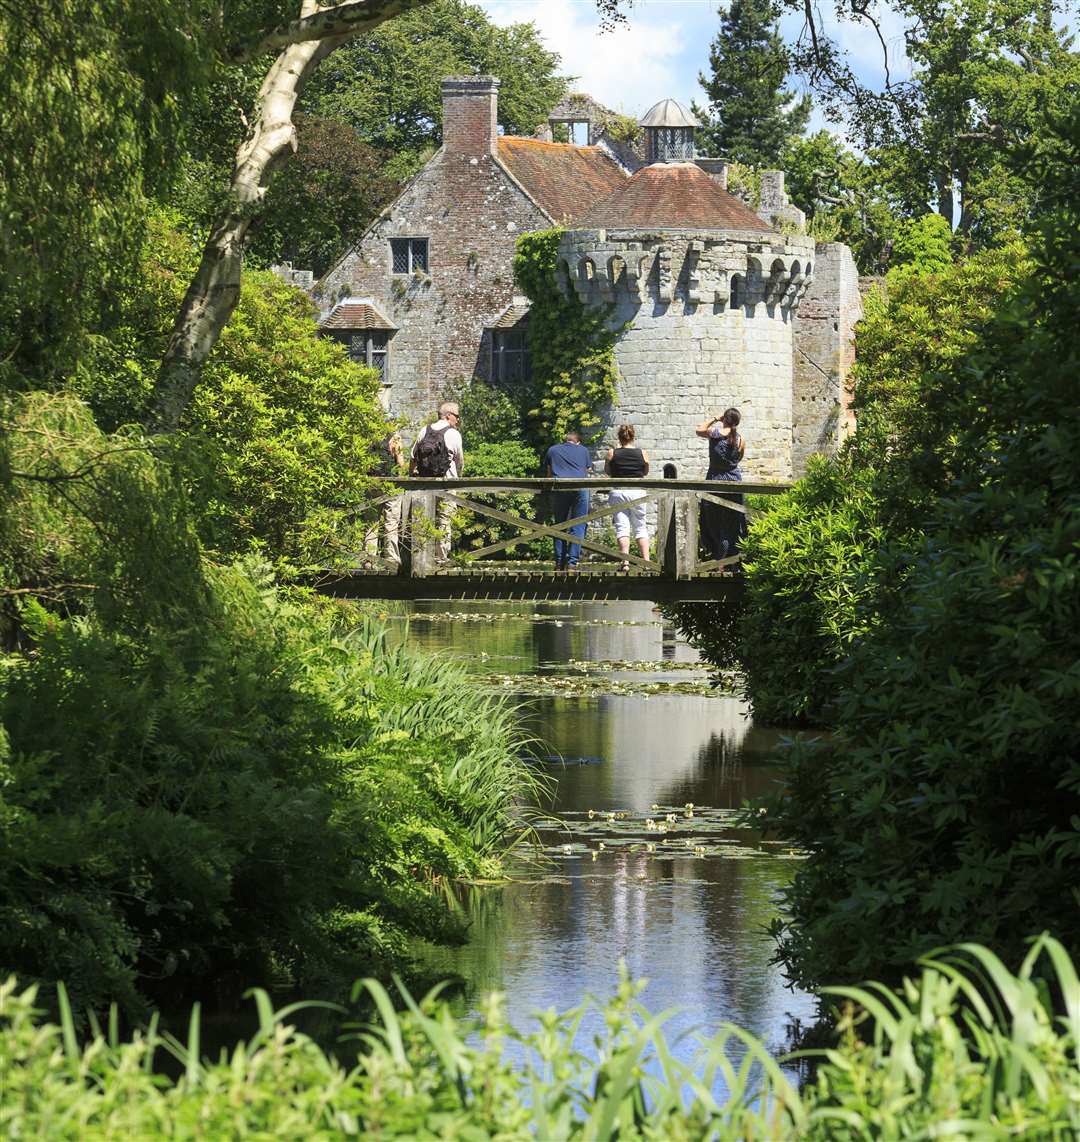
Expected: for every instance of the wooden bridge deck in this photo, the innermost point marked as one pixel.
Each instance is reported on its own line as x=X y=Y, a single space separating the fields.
x=675 y=571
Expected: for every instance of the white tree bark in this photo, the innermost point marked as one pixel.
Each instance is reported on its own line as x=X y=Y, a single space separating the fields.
x=215 y=290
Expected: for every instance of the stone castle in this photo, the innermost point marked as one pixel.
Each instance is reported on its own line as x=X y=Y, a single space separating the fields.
x=721 y=304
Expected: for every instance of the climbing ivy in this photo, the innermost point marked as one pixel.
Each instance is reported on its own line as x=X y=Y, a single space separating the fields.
x=572 y=347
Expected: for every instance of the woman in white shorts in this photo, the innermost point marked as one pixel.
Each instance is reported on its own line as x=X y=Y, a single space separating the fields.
x=629 y=463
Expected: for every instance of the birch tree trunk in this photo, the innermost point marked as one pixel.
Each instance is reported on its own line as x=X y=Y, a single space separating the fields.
x=215 y=290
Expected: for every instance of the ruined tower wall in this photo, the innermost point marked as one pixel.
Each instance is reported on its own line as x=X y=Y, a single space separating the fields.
x=708 y=324
x=824 y=329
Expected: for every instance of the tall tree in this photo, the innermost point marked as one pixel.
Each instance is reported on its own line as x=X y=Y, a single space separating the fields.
x=976 y=77
x=94 y=94
x=751 y=116
x=386 y=85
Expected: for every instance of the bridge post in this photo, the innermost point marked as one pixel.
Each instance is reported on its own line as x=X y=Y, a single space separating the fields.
x=422 y=525
x=667 y=545
x=686 y=528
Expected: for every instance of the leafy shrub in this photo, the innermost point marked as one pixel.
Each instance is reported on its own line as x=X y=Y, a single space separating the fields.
x=255 y=792
x=826 y=562
x=197 y=774
x=810 y=589
x=472 y=530
x=282 y=427
x=949 y=803
x=490 y=416
x=966 y=1049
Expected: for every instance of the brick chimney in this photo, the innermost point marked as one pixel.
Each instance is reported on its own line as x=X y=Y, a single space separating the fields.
x=470 y=106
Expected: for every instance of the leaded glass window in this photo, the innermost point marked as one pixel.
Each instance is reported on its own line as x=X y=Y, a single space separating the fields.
x=670 y=144
x=408 y=255
x=510 y=362
x=371 y=347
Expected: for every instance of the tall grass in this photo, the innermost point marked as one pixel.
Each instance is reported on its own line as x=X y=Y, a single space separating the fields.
x=965 y=1050
x=484 y=771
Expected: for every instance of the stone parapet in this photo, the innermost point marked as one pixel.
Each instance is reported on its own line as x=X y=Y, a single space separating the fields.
x=698 y=267
x=705 y=321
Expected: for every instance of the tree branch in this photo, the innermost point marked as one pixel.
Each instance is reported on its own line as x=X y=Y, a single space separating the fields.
x=347 y=19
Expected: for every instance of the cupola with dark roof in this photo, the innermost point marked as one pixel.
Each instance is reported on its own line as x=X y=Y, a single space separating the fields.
x=669 y=133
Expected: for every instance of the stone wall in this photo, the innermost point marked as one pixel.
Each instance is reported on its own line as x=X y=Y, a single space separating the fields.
x=824 y=330
x=472 y=212
x=687 y=351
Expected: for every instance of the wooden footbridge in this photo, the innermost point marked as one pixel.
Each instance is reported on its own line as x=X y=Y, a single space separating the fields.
x=676 y=570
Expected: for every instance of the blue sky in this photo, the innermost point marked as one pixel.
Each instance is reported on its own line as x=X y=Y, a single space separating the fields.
x=663 y=47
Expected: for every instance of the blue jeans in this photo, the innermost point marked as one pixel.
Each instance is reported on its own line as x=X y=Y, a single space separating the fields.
x=570 y=505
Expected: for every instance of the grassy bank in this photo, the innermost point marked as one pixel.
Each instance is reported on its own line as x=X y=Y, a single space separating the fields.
x=966 y=1049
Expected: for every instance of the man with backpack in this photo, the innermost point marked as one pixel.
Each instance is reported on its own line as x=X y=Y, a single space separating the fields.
x=438 y=452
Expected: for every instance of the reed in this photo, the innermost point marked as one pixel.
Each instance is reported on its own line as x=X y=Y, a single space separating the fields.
x=484 y=769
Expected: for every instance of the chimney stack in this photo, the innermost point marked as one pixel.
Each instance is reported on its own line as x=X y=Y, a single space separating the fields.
x=470 y=107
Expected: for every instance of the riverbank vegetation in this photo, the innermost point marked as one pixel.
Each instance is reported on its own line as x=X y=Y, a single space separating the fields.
x=919 y=595
x=208 y=778
x=965 y=1049
x=231 y=783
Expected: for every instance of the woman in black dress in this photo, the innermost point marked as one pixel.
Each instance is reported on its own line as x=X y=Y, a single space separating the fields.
x=628 y=462
x=723 y=528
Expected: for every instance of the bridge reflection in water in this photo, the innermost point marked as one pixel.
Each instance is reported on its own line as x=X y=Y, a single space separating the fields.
x=675 y=572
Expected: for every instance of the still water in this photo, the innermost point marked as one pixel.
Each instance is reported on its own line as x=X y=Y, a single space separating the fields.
x=691 y=915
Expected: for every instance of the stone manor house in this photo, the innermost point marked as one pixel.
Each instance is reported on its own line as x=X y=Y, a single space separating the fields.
x=722 y=305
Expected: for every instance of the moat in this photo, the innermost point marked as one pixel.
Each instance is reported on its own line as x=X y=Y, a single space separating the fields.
x=629 y=730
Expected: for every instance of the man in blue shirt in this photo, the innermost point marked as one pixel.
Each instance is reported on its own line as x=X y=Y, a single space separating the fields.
x=569 y=461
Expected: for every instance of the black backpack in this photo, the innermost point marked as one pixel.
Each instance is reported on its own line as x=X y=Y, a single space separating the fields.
x=432 y=456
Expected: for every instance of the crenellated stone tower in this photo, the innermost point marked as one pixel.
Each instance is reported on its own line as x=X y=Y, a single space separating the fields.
x=707 y=295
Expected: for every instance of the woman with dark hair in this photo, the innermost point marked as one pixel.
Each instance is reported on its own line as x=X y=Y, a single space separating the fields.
x=723 y=528
x=628 y=462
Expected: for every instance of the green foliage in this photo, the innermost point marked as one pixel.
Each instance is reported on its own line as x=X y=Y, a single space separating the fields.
x=322 y=201
x=745 y=183
x=572 y=347
x=88 y=515
x=816 y=579
x=811 y=590
x=257 y=792
x=986 y=77
x=947 y=803
x=847 y=197
x=227 y=780
x=965 y=1049
x=923 y=245
x=490 y=416
x=751 y=116
x=282 y=426
x=95 y=94
x=472 y=530
x=386 y=85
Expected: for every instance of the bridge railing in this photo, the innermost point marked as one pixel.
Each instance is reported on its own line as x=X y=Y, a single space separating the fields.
x=674 y=546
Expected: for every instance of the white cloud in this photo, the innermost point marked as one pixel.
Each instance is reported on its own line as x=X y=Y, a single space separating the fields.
x=627 y=69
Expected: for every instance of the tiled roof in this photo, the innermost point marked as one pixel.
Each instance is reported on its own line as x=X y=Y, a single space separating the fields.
x=511 y=315
x=353 y=313
x=673 y=196
x=561 y=178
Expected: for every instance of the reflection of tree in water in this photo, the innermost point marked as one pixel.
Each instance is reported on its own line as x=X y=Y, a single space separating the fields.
x=668 y=640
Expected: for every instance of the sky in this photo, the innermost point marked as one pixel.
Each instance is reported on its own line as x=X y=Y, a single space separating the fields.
x=659 y=52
